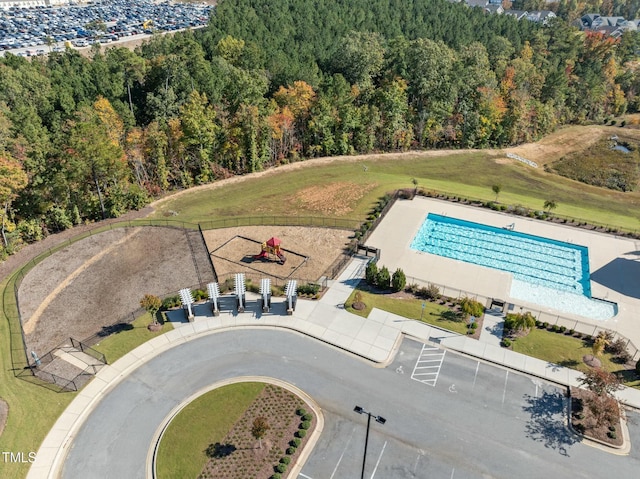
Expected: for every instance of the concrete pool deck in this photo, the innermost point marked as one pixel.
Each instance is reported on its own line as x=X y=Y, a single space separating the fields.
x=614 y=262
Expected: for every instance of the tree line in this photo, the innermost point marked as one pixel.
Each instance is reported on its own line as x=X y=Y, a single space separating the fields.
x=269 y=82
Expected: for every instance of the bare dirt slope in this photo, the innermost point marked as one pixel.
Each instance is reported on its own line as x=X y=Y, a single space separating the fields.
x=100 y=280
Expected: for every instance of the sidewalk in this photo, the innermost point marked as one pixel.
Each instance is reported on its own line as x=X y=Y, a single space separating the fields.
x=374 y=338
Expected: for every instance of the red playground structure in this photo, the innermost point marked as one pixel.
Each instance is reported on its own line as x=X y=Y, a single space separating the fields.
x=271 y=247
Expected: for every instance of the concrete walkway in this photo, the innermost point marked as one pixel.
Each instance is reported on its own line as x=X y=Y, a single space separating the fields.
x=374 y=338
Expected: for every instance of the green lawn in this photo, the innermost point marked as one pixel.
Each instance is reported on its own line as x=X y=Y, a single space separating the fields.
x=205 y=421
x=119 y=344
x=274 y=193
x=566 y=351
x=408 y=308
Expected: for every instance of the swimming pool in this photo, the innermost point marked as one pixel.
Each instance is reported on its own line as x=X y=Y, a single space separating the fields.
x=545 y=271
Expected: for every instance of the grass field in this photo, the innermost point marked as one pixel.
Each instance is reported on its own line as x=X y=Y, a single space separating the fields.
x=471 y=175
x=205 y=421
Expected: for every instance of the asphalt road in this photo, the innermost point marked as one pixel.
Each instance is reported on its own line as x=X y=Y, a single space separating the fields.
x=447 y=416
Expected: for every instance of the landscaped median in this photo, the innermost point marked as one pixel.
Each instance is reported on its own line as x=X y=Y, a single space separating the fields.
x=241 y=428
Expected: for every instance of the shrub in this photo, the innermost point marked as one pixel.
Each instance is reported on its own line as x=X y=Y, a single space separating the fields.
x=285 y=460
x=545 y=325
x=383 y=279
x=307 y=417
x=638 y=366
x=309 y=288
x=295 y=442
x=471 y=307
x=412 y=288
x=199 y=294
x=281 y=467
x=617 y=347
x=555 y=328
x=301 y=411
x=301 y=433
x=371 y=273
x=305 y=424
x=277 y=475
x=474 y=325
x=398 y=280
x=563 y=329
x=571 y=332
x=170 y=302
x=433 y=292
x=506 y=343
x=612 y=434
x=291 y=450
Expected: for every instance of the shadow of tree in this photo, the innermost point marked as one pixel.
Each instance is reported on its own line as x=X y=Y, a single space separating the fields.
x=217 y=450
x=547 y=424
x=114 y=329
x=569 y=363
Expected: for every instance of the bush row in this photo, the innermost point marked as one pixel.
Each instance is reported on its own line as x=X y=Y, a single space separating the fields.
x=382 y=279
x=305 y=424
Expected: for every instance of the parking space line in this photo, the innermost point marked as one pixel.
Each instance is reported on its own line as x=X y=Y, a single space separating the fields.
x=304 y=476
x=378 y=462
x=428 y=364
x=475 y=376
x=342 y=455
x=504 y=391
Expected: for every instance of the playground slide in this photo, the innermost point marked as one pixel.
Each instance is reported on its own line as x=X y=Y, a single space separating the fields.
x=282 y=257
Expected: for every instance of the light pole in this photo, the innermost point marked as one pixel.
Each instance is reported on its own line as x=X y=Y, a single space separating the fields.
x=379 y=419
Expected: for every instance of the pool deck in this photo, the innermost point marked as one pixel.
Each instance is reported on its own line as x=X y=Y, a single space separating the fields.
x=614 y=261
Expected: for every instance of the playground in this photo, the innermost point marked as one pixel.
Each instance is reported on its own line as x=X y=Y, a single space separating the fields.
x=308 y=252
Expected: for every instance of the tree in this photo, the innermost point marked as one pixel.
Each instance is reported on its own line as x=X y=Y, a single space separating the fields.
x=550 y=205
x=152 y=305
x=398 y=280
x=259 y=428
x=519 y=324
x=371 y=273
x=602 y=340
x=602 y=403
x=496 y=189
x=12 y=180
x=383 y=280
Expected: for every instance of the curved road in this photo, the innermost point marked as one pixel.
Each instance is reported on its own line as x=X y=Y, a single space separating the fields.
x=479 y=421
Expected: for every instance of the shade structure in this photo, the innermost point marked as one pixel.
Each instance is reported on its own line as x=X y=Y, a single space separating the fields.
x=273 y=242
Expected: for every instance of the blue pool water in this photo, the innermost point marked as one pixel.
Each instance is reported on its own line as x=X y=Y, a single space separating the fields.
x=546 y=272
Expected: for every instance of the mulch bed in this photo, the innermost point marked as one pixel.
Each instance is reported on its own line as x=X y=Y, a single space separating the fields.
x=583 y=421
x=240 y=456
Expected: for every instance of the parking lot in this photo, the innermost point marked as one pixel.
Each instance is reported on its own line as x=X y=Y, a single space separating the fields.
x=454 y=417
x=38 y=31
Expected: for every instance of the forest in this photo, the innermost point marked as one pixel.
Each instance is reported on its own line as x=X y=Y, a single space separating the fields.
x=273 y=81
